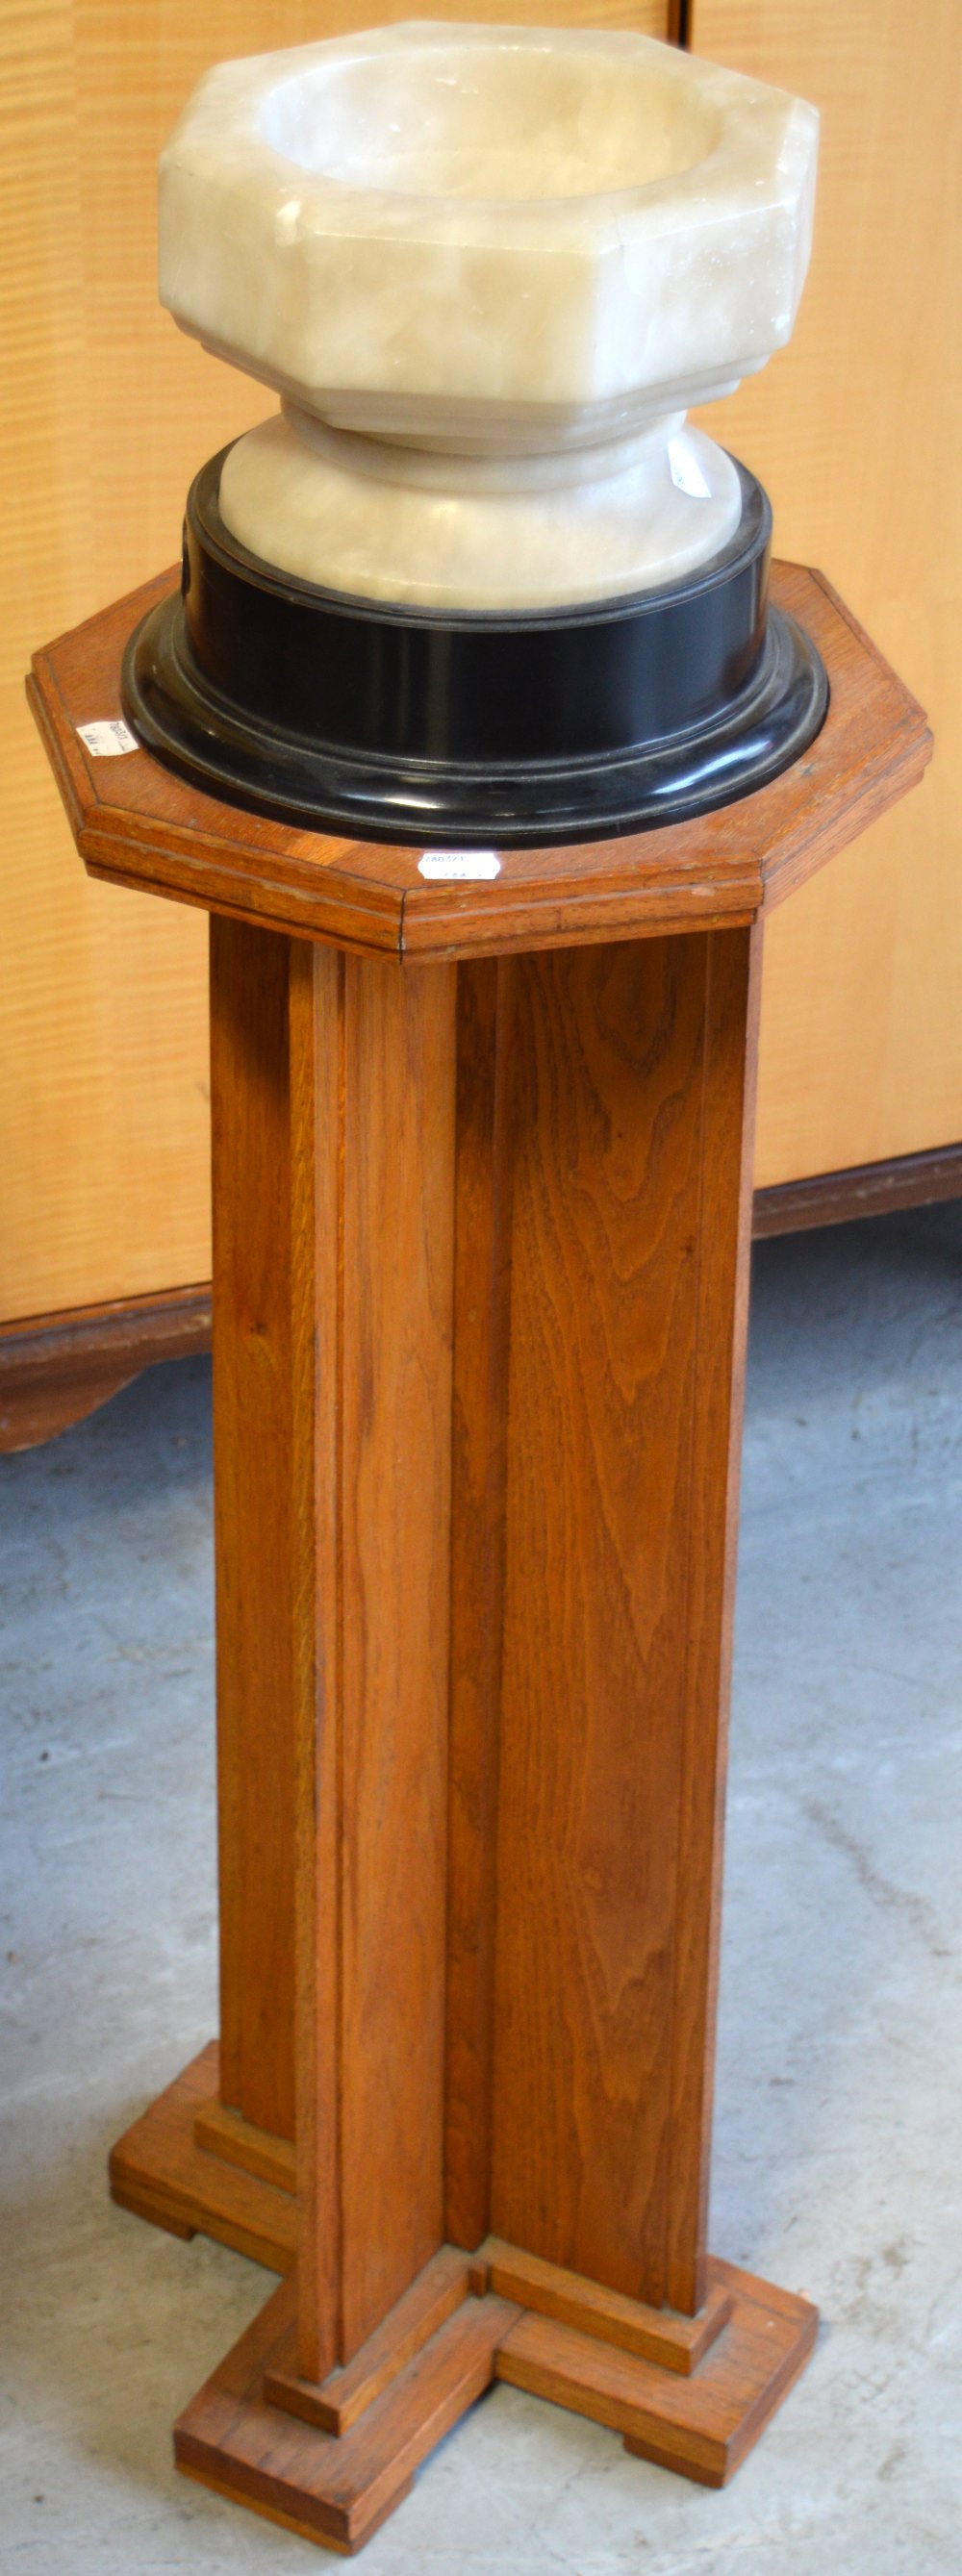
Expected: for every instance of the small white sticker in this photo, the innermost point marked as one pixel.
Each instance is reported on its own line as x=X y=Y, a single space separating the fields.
x=475 y=865
x=108 y=739
x=686 y=473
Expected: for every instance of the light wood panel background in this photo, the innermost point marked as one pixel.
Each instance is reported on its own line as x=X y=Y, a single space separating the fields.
x=106 y=412
x=854 y=431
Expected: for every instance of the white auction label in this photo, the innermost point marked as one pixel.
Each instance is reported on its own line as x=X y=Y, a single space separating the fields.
x=109 y=738
x=474 y=865
x=686 y=473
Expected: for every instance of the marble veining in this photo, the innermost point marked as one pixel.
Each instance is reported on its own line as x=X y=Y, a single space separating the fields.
x=490 y=242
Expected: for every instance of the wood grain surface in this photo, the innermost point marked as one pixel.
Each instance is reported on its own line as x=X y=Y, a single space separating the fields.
x=851 y=431
x=394 y=1561
x=161 y=2172
x=370 y=1344
x=655 y=2334
x=481 y=1242
x=629 y=1238
x=542 y=1163
x=335 y=2403
x=55 y=1369
x=334 y=1106
x=482 y=1265
x=334 y=2489
x=236 y=2141
x=144 y=826
x=337 y=2489
x=700 y=2426
x=871 y=1189
x=254 y=1180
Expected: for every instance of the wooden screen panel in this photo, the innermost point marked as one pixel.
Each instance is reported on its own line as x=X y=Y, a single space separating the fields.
x=107 y=410
x=861 y=1043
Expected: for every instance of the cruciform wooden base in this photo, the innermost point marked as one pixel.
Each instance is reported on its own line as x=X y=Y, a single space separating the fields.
x=482 y=1185
x=689 y=2393
x=333 y=2461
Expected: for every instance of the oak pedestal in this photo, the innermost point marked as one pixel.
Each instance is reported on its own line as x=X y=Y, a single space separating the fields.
x=482 y=1172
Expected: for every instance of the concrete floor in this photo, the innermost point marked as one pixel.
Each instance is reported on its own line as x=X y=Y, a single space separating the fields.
x=837 y=2167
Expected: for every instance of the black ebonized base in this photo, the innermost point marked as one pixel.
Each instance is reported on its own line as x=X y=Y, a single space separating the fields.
x=415 y=725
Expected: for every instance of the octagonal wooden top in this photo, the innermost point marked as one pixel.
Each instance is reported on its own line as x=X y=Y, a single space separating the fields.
x=138 y=824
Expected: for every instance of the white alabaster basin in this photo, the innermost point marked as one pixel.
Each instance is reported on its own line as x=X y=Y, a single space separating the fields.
x=482 y=236
x=443 y=531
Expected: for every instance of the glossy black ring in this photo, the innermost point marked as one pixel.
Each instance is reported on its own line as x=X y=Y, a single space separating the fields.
x=416 y=725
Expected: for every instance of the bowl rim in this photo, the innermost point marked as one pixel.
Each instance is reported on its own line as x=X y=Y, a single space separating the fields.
x=760 y=157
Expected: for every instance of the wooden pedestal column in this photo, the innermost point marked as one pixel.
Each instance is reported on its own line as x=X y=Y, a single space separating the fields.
x=482 y=1169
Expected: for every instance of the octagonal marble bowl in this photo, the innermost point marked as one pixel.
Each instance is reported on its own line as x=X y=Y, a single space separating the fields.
x=478 y=575
x=485 y=235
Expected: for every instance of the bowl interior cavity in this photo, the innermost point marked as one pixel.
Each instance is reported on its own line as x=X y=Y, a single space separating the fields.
x=490 y=122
